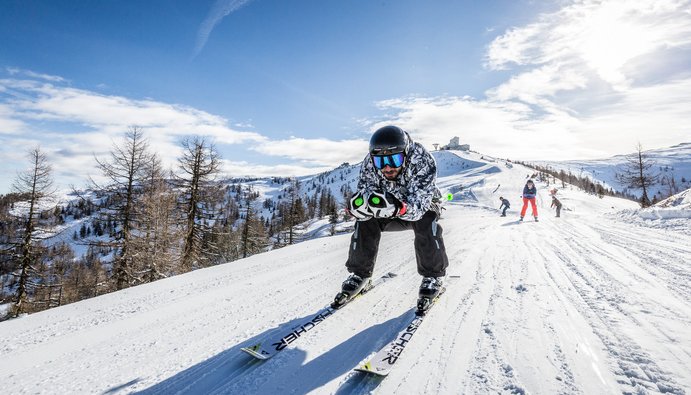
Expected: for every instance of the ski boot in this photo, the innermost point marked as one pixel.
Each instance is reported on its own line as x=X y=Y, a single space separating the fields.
x=351 y=287
x=520 y=219
x=430 y=289
x=536 y=219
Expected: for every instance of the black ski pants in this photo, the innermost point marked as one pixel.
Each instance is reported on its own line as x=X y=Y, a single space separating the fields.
x=429 y=244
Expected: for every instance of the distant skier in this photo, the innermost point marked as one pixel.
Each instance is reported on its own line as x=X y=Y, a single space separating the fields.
x=504 y=203
x=556 y=203
x=529 y=194
x=396 y=191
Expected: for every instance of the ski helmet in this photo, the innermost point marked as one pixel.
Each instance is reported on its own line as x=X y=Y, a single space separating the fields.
x=388 y=140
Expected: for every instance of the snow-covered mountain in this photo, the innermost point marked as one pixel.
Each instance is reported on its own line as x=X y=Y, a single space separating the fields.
x=595 y=302
x=671 y=163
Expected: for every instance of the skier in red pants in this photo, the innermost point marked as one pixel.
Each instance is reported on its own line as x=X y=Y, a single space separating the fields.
x=529 y=194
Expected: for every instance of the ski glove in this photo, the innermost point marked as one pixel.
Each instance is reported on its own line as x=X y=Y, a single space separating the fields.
x=385 y=205
x=358 y=207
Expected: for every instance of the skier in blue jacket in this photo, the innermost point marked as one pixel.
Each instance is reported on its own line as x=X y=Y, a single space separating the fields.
x=505 y=204
x=529 y=194
x=396 y=191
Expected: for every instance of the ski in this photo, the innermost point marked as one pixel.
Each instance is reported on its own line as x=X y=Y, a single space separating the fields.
x=383 y=361
x=274 y=344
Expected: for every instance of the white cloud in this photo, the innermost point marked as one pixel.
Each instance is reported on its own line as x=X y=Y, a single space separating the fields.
x=591 y=80
x=72 y=125
x=14 y=71
x=321 y=152
x=532 y=86
x=598 y=36
x=220 y=10
x=112 y=114
x=500 y=129
x=241 y=169
x=8 y=124
x=656 y=115
x=515 y=46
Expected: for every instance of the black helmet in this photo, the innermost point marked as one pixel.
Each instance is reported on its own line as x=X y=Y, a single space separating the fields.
x=389 y=139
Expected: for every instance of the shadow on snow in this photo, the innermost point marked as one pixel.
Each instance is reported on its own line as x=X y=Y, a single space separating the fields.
x=233 y=371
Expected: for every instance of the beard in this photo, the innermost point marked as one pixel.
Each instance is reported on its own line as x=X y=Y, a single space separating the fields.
x=391 y=174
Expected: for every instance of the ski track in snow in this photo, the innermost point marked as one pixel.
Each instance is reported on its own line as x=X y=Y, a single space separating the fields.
x=590 y=303
x=608 y=298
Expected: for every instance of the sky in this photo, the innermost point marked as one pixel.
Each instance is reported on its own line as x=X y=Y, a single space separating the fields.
x=289 y=88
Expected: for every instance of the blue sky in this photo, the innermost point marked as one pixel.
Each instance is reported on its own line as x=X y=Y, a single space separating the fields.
x=296 y=87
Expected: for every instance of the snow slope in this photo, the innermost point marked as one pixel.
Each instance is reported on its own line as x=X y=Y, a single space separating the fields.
x=590 y=303
x=670 y=163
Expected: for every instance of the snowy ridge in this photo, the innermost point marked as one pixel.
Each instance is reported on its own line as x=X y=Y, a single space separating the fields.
x=595 y=302
x=671 y=162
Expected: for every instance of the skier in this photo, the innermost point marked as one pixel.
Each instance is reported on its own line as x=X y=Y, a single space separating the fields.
x=396 y=191
x=504 y=203
x=529 y=193
x=556 y=203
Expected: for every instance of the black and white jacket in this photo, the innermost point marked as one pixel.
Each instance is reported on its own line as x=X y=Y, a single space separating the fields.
x=416 y=185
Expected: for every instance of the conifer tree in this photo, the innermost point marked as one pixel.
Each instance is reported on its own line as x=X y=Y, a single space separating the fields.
x=253 y=238
x=294 y=212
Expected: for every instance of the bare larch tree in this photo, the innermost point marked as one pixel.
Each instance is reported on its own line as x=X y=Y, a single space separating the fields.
x=199 y=166
x=155 y=246
x=637 y=174
x=36 y=183
x=124 y=173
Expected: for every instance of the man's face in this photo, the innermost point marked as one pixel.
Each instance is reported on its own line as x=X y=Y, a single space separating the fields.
x=391 y=173
x=390 y=164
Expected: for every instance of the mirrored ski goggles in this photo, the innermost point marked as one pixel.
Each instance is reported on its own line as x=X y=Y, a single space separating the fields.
x=392 y=160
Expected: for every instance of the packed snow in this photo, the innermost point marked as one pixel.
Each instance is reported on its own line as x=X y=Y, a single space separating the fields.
x=677 y=206
x=595 y=302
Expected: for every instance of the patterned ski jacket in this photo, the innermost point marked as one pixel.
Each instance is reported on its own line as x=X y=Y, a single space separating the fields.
x=416 y=185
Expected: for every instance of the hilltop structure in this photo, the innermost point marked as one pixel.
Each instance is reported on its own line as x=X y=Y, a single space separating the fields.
x=455 y=144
